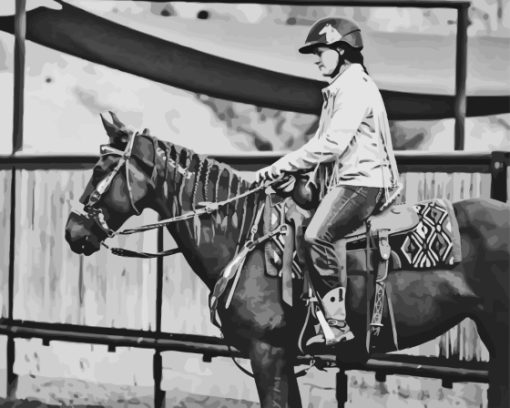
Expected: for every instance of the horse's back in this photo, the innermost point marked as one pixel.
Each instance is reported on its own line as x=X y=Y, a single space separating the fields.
x=484 y=225
x=485 y=211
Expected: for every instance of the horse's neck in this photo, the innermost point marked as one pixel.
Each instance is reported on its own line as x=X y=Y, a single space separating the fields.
x=210 y=241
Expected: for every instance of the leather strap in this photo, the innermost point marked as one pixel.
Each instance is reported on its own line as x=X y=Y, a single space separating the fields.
x=382 y=273
x=368 y=285
x=139 y=254
x=377 y=314
x=288 y=256
x=266 y=225
x=341 y=248
x=384 y=244
x=392 y=317
x=329 y=336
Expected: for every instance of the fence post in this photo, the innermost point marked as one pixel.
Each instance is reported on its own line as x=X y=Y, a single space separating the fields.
x=499 y=166
x=159 y=394
x=461 y=75
x=341 y=388
x=20 y=28
x=11 y=346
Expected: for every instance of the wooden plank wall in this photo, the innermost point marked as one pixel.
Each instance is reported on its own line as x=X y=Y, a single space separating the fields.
x=55 y=285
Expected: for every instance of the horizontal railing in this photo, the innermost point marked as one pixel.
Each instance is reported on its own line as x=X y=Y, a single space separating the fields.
x=495 y=163
x=406 y=160
x=211 y=347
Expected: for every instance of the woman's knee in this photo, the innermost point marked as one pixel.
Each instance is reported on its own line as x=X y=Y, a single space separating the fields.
x=313 y=236
x=309 y=236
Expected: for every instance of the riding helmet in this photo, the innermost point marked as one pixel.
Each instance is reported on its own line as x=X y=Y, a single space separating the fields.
x=332 y=30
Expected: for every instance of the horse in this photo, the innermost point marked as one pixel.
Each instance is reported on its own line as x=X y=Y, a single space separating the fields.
x=135 y=173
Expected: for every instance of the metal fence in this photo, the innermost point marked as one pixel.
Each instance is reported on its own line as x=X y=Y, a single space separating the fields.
x=493 y=165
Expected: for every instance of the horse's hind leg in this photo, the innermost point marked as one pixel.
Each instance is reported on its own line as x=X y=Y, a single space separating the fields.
x=275 y=380
x=499 y=376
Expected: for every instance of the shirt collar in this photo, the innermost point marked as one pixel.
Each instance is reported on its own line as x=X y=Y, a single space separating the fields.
x=341 y=79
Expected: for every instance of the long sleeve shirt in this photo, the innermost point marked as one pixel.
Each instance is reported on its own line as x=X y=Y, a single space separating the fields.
x=353 y=132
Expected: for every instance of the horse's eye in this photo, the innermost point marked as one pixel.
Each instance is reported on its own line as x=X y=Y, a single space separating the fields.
x=97 y=174
x=96 y=177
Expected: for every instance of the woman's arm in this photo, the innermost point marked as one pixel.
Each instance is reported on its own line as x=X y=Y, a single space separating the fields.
x=351 y=105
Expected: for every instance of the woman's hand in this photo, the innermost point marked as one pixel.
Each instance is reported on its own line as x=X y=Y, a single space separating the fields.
x=268 y=173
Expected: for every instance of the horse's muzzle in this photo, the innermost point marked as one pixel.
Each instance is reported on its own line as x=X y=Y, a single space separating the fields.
x=82 y=234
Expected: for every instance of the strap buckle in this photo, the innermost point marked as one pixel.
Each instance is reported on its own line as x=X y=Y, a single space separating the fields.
x=251 y=244
x=384 y=244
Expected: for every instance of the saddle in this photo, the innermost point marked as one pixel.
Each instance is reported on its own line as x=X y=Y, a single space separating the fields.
x=403 y=236
x=418 y=236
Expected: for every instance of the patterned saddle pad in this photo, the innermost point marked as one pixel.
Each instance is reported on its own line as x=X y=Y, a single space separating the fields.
x=434 y=241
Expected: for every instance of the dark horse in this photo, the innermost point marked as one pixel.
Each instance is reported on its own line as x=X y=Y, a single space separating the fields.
x=171 y=180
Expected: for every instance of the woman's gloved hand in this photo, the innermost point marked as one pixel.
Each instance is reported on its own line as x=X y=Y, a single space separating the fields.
x=268 y=173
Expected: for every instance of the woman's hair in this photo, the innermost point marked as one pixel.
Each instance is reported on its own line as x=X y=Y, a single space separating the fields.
x=353 y=55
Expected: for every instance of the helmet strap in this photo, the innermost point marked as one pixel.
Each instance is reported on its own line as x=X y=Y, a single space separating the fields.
x=341 y=63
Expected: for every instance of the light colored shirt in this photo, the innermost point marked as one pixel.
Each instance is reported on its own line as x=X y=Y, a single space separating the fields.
x=353 y=131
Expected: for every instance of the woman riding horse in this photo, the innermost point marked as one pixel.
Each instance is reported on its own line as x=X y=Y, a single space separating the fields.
x=354 y=134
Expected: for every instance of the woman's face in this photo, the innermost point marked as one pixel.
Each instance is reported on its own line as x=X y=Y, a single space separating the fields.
x=326 y=60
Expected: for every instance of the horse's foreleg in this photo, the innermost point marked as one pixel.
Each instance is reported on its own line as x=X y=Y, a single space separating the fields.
x=274 y=377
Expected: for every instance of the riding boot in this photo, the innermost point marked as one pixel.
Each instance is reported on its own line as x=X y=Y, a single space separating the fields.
x=333 y=304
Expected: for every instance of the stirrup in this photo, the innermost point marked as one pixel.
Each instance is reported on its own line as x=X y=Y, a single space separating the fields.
x=341 y=331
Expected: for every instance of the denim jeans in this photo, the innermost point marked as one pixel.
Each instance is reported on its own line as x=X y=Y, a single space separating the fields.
x=343 y=209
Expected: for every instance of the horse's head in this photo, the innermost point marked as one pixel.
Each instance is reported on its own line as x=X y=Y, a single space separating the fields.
x=123 y=183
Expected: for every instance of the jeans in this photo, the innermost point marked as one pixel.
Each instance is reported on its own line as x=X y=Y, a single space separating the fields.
x=343 y=209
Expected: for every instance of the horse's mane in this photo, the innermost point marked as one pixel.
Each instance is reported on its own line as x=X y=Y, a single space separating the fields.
x=184 y=156
x=178 y=151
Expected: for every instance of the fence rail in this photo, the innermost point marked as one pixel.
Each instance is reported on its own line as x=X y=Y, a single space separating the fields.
x=211 y=347
x=407 y=160
x=495 y=164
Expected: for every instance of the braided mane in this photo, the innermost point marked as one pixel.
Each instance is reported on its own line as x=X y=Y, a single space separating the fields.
x=183 y=157
x=204 y=179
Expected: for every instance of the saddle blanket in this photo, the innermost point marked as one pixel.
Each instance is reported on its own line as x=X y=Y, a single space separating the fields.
x=432 y=242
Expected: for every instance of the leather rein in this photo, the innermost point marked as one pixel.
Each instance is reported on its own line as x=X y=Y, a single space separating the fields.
x=95 y=213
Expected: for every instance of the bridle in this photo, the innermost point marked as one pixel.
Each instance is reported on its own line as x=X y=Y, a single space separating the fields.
x=91 y=206
x=95 y=213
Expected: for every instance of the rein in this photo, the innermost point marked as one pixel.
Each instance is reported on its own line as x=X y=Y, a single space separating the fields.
x=95 y=213
x=208 y=208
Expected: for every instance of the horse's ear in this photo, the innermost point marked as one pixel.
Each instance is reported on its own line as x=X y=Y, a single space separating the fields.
x=116 y=120
x=146 y=132
x=111 y=129
x=117 y=131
